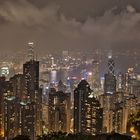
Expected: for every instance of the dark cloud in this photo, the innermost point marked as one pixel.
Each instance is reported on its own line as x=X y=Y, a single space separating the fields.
x=57 y=25
x=80 y=9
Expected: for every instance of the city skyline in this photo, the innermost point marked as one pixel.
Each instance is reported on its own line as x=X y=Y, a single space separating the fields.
x=69 y=69
x=53 y=97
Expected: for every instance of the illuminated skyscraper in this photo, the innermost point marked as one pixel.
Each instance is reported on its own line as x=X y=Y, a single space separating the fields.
x=107 y=104
x=111 y=65
x=30 y=51
x=31 y=75
x=14 y=102
x=11 y=97
x=110 y=78
x=117 y=117
x=121 y=82
x=96 y=77
x=109 y=84
x=107 y=101
x=30 y=122
x=133 y=84
x=10 y=112
x=87 y=111
x=59 y=111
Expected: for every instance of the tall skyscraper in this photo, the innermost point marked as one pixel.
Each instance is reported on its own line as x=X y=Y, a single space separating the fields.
x=30 y=123
x=87 y=111
x=110 y=78
x=121 y=82
x=59 y=111
x=18 y=95
x=107 y=105
x=109 y=84
x=111 y=64
x=31 y=51
x=96 y=77
x=11 y=109
x=11 y=96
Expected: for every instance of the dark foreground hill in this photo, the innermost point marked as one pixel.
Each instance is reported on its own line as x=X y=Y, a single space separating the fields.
x=65 y=136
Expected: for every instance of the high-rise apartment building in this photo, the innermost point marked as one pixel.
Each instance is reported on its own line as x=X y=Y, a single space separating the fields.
x=10 y=112
x=59 y=111
x=87 y=111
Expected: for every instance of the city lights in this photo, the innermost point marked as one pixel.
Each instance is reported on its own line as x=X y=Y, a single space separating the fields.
x=70 y=70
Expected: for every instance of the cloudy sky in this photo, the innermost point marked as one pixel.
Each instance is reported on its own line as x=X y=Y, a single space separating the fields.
x=69 y=24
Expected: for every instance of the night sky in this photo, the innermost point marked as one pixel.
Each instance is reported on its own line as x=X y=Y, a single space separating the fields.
x=69 y=24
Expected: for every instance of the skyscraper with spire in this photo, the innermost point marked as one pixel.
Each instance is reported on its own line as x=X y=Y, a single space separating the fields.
x=30 y=50
x=109 y=90
x=31 y=123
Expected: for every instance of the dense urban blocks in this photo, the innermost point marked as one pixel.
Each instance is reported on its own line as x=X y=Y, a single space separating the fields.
x=51 y=103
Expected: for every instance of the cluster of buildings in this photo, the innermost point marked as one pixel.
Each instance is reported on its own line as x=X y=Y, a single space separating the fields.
x=67 y=95
x=120 y=98
x=20 y=98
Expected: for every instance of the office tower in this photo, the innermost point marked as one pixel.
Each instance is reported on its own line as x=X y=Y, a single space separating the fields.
x=30 y=122
x=110 y=78
x=59 y=111
x=30 y=50
x=120 y=82
x=111 y=65
x=87 y=111
x=31 y=77
x=109 y=84
x=93 y=78
x=96 y=77
x=129 y=76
